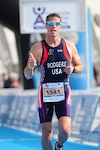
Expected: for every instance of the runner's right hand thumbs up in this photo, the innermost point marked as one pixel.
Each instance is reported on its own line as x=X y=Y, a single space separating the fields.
x=31 y=60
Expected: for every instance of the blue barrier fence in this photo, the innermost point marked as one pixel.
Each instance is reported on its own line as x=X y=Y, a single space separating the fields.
x=19 y=109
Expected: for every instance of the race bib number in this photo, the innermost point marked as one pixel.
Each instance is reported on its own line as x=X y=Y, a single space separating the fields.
x=53 y=92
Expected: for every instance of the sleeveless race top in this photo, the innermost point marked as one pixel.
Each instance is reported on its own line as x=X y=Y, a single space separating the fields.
x=53 y=62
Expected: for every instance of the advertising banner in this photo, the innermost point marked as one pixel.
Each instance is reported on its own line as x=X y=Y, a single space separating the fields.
x=33 y=15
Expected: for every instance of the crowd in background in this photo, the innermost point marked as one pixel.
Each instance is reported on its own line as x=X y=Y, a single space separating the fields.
x=10 y=81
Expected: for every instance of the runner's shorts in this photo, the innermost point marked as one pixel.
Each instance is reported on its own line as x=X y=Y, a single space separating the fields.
x=62 y=108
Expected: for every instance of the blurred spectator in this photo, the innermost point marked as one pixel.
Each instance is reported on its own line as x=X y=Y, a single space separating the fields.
x=96 y=77
x=12 y=81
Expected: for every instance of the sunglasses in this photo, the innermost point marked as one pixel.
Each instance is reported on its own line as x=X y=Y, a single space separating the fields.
x=52 y=23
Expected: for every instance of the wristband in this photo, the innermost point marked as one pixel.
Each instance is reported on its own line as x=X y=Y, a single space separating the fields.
x=31 y=67
x=74 y=70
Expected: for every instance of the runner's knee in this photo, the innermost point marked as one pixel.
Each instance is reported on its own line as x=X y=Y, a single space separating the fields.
x=65 y=132
x=47 y=133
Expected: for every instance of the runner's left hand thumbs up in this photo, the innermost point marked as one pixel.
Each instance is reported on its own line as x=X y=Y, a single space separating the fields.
x=69 y=68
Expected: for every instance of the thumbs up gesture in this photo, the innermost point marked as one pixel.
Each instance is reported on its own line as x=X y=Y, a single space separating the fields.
x=69 y=68
x=31 y=61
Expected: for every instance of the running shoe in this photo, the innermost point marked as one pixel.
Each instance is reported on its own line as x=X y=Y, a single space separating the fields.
x=59 y=147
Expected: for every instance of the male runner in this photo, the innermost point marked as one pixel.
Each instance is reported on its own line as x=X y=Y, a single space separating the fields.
x=57 y=58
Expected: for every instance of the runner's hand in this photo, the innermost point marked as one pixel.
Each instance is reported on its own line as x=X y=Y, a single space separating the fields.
x=32 y=61
x=69 y=68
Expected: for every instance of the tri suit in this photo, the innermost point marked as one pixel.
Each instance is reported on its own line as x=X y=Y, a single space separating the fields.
x=54 y=90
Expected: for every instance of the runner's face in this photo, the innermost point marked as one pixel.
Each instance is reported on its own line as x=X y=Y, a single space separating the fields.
x=53 y=30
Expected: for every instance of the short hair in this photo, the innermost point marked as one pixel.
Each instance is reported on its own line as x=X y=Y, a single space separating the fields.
x=53 y=15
